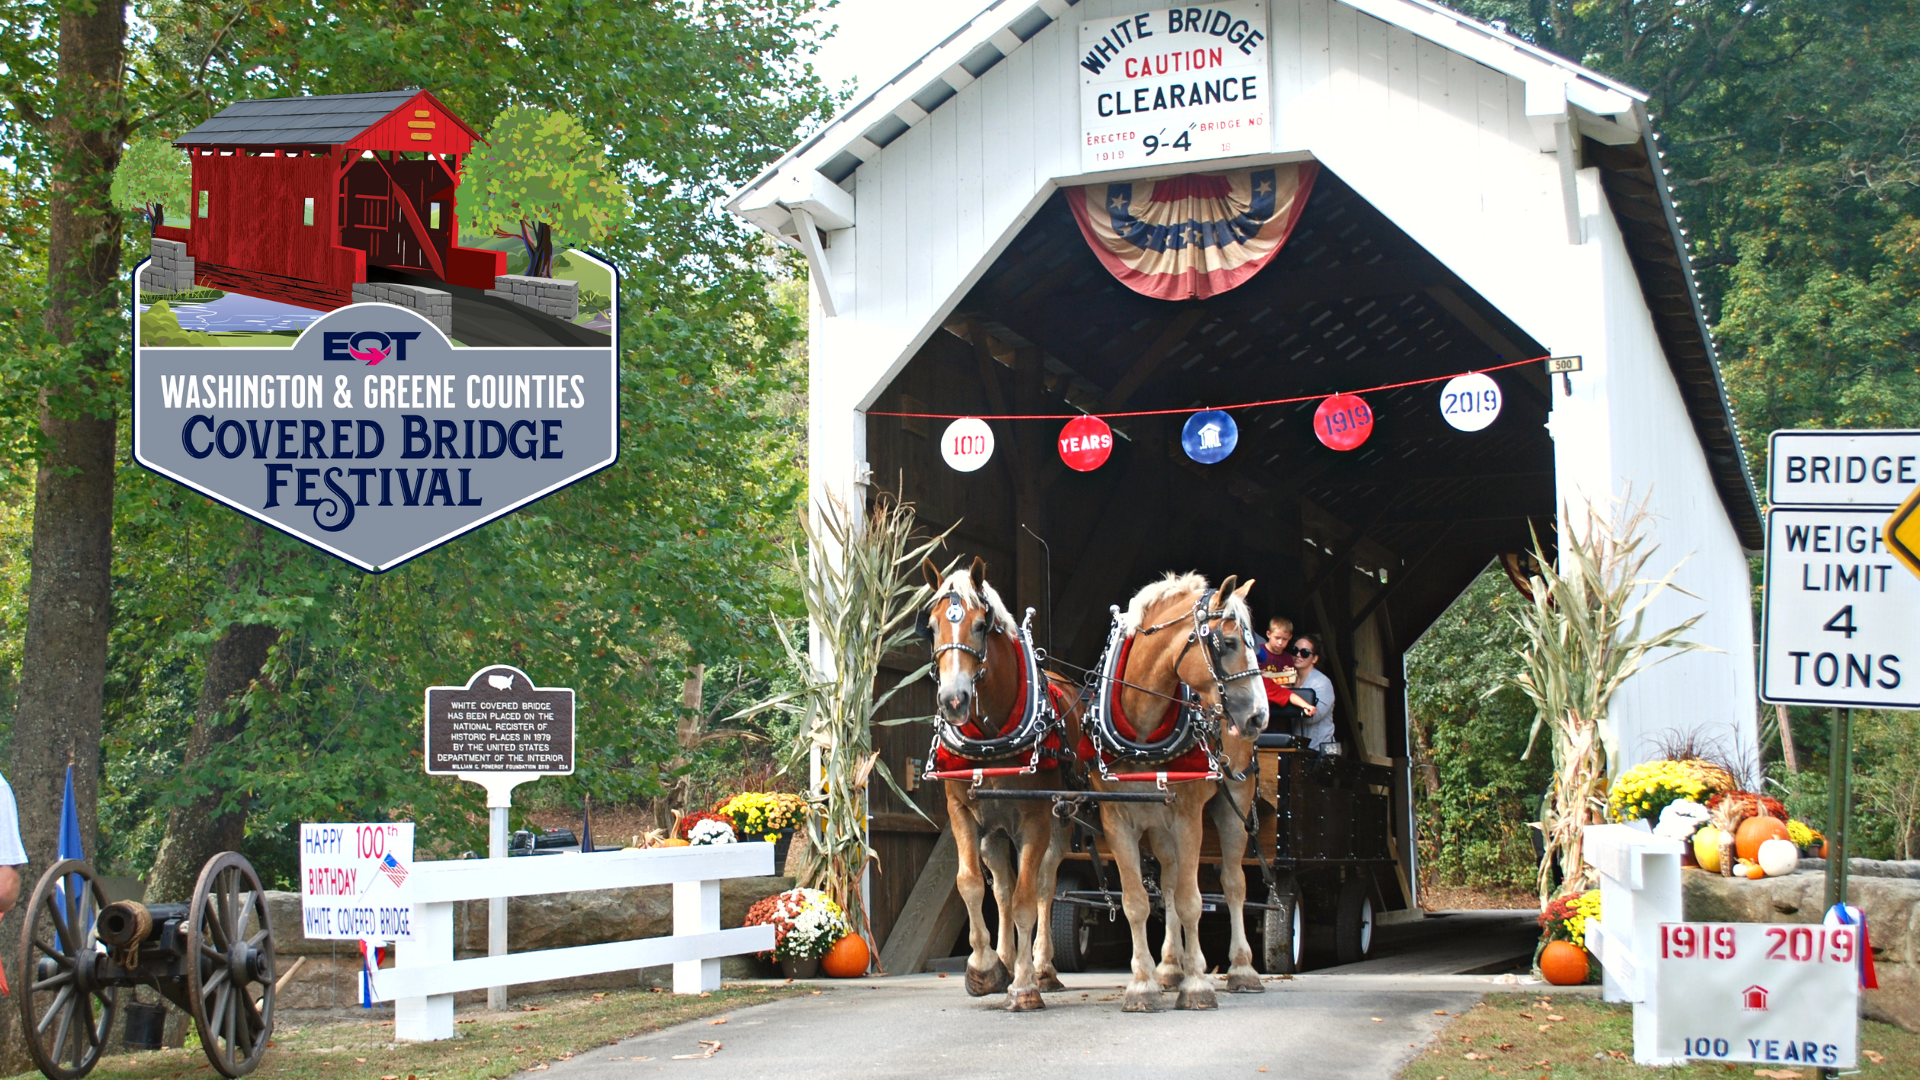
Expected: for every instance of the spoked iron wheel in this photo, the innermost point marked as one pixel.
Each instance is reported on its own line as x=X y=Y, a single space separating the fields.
x=230 y=973
x=64 y=1013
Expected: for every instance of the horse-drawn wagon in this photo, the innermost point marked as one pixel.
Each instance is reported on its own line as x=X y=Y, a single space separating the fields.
x=1325 y=838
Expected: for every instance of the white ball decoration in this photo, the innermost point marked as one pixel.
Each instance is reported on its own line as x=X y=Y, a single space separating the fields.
x=1779 y=857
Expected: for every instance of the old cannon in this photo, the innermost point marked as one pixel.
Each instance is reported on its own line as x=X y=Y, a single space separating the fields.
x=211 y=956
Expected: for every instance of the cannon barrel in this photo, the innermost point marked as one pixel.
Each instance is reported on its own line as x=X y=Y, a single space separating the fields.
x=124 y=924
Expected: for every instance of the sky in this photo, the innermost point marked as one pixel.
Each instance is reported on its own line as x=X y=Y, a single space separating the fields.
x=878 y=38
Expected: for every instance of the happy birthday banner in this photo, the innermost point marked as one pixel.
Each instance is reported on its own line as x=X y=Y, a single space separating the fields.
x=1471 y=401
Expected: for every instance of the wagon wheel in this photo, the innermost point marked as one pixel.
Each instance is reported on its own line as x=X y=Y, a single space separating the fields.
x=1281 y=924
x=230 y=968
x=64 y=1011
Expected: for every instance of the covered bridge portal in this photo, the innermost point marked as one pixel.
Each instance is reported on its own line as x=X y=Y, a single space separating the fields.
x=1477 y=202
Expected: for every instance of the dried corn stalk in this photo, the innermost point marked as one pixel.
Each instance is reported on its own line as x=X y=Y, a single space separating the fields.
x=1585 y=637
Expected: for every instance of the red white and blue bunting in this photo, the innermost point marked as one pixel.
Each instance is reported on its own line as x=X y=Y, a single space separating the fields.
x=1195 y=236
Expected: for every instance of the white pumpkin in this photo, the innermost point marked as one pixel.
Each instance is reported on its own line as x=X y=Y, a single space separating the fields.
x=1779 y=858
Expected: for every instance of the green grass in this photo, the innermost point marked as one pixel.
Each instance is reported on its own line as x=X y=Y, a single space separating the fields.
x=487 y=1045
x=590 y=275
x=1503 y=1036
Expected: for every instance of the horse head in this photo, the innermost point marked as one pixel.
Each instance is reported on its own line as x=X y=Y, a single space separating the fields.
x=1216 y=654
x=972 y=637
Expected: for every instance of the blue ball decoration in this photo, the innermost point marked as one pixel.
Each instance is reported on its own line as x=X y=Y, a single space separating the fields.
x=1209 y=436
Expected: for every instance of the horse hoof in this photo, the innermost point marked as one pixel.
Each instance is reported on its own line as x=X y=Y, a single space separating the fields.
x=1050 y=983
x=1139 y=1001
x=1197 y=998
x=1169 y=978
x=1024 y=1001
x=1240 y=982
x=993 y=981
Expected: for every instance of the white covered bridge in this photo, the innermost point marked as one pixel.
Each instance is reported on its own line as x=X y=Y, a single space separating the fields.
x=1441 y=198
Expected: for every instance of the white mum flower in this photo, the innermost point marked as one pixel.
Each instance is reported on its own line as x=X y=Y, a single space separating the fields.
x=710 y=831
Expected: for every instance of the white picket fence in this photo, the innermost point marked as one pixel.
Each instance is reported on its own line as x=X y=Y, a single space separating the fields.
x=425 y=976
x=1639 y=890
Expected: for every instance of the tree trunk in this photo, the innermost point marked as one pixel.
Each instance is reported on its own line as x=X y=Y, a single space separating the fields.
x=64 y=657
x=199 y=830
x=543 y=251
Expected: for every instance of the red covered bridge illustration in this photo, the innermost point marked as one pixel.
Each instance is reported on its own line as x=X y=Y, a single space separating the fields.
x=294 y=198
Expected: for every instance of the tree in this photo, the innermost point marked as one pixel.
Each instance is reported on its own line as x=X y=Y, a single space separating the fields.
x=540 y=174
x=152 y=176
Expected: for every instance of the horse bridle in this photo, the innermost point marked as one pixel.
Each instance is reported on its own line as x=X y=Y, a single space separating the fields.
x=1211 y=646
x=953 y=602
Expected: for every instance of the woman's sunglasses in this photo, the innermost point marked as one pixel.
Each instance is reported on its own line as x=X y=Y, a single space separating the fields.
x=1304 y=654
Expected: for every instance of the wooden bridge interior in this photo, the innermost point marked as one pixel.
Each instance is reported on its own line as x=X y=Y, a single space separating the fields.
x=1364 y=549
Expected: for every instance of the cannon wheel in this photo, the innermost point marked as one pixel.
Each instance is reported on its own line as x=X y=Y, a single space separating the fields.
x=65 y=1014
x=230 y=973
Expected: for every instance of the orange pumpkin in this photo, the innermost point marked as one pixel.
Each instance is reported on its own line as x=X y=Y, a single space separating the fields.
x=1756 y=831
x=1563 y=963
x=674 y=842
x=847 y=959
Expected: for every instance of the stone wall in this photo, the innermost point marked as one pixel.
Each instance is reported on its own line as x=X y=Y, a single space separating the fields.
x=1888 y=893
x=171 y=270
x=329 y=976
x=560 y=299
x=432 y=304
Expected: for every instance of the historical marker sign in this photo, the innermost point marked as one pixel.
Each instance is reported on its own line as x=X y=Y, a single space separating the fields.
x=499 y=723
x=372 y=437
x=1176 y=85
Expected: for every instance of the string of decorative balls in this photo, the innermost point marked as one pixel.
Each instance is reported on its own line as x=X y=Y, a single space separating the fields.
x=1470 y=401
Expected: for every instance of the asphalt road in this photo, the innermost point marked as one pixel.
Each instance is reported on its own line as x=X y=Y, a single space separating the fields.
x=1312 y=1027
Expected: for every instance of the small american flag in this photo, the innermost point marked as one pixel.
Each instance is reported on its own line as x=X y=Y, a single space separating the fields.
x=396 y=873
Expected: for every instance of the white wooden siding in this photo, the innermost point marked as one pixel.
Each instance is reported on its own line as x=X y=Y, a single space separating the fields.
x=1440 y=144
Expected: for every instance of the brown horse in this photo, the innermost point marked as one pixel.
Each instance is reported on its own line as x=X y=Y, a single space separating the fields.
x=1001 y=726
x=1177 y=633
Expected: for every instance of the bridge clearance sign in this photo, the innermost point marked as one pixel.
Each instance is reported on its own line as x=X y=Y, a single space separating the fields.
x=1841 y=627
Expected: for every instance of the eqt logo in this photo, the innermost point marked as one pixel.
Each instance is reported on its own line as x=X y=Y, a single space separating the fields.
x=367 y=346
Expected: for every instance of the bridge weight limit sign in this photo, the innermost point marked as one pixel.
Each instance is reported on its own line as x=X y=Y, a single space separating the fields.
x=1842 y=624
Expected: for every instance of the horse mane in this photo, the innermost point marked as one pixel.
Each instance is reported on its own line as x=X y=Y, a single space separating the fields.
x=1174 y=584
x=960 y=583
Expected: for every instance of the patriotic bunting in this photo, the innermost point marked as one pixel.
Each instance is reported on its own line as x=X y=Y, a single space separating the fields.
x=1195 y=236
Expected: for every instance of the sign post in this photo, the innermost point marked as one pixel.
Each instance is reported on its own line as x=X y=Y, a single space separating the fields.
x=499 y=731
x=1839 y=627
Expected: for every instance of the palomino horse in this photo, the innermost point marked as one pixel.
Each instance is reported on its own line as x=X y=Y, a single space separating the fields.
x=1001 y=726
x=1176 y=634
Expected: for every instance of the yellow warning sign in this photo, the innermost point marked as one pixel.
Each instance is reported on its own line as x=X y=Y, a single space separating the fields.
x=1903 y=532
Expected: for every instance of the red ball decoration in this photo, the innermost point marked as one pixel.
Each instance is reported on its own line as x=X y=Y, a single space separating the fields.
x=1343 y=421
x=1086 y=443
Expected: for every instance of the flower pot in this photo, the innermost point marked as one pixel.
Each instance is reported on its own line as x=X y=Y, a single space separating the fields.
x=800 y=969
x=780 y=847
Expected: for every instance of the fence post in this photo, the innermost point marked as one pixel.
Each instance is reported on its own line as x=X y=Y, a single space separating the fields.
x=1639 y=890
x=423 y=1019
x=696 y=910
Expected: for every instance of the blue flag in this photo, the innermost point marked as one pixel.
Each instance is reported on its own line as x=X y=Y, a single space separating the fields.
x=70 y=824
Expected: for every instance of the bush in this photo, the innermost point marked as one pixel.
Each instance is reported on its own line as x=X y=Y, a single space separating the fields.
x=1474 y=796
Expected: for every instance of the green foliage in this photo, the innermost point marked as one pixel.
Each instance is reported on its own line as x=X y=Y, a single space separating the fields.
x=159 y=326
x=1475 y=793
x=542 y=179
x=152 y=175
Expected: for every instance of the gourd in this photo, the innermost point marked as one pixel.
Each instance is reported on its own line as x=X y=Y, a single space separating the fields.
x=1706 y=848
x=1779 y=857
x=1756 y=831
x=1563 y=963
x=847 y=959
